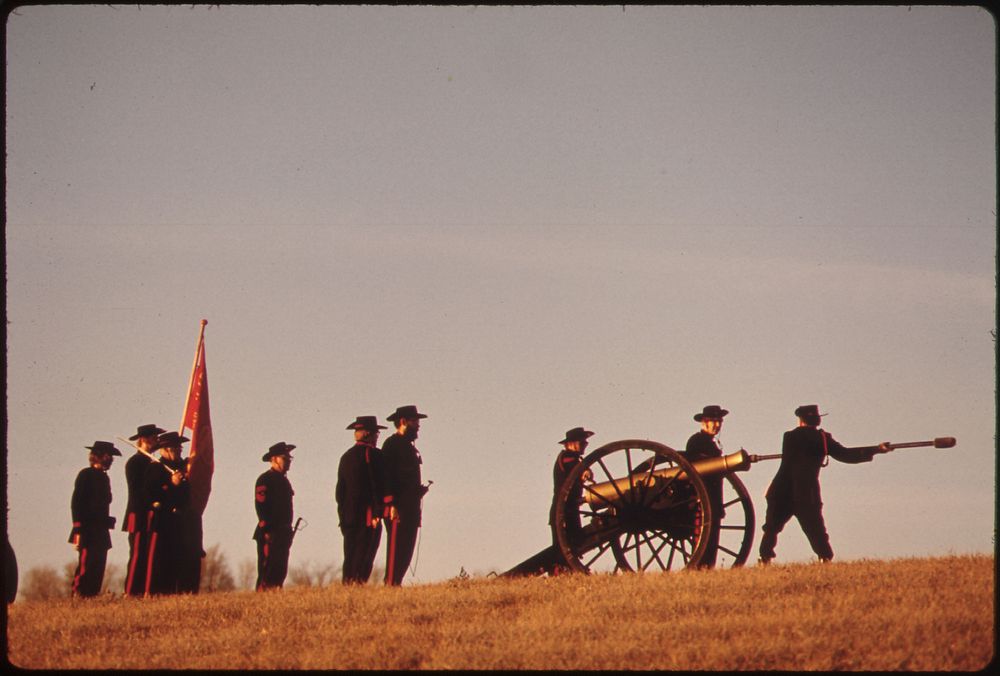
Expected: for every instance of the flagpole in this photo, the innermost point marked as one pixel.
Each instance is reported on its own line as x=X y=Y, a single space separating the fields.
x=194 y=369
x=198 y=473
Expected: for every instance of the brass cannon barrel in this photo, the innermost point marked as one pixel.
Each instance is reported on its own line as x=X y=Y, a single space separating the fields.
x=602 y=494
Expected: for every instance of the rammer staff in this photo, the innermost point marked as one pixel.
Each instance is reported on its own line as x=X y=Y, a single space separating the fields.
x=938 y=442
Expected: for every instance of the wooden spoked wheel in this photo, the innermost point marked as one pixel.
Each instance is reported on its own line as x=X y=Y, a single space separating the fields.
x=633 y=505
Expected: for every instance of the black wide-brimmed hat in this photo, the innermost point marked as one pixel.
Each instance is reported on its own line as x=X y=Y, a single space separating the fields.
x=169 y=440
x=809 y=411
x=280 y=448
x=102 y=447
x=711 y=412
x=366 y=422
x=405 y=412
x=146 y=431
x=577 y=434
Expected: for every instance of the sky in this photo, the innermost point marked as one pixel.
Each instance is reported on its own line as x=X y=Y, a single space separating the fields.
x=521 y=220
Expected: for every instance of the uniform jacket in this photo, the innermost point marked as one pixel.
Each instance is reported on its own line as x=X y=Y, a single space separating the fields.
x=701 y=446
x=804 y=451
x=401 y=464
x=137 y=506
x=273 y=500
x=166 y=502
x=90 y=506
x=360 y=487
x=565 y=462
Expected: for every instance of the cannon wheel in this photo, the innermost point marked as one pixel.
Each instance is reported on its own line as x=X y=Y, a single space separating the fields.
x=736 y=527
x=736 y=536
x=659 y=525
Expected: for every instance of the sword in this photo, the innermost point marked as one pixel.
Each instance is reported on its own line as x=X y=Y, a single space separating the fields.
x=148 y=455
x=297 y=529
x=392 y=552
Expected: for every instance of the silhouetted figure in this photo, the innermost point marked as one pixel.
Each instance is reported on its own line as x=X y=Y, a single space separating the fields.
x=700 y=446
x=360 y=500
x=169 y=496
x=574 y=444
x=404 y=492
x=550 y=560
x=795 y=488
x=135 y=522
x=273 y=502
x=91 y=510
x=9 y=572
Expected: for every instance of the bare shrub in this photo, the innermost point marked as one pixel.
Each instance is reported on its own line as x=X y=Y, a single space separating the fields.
x=215 y=573
x=246 y=574
x=114 y=579
x=43 y=583
x=313 y=575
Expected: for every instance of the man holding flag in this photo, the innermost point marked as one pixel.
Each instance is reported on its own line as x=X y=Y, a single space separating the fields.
x=169 y=494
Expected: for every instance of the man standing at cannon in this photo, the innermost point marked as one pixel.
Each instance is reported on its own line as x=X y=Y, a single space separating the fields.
x=702 y=445
x=90 y=508
x=403 y=491
x=795 y=488
x=135 y=522
x=273 y=503
x=550 y=560
x=360 y=502
x=574 y=444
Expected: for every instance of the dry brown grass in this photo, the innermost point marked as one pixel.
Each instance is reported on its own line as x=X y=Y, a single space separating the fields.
x=911 y=614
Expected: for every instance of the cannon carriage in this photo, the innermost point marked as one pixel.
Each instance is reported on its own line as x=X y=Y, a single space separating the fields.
x=639 y=505
x=646 y=507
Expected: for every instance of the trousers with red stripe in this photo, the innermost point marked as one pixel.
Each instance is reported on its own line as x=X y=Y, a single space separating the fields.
x=402 y=542
x=89 y=574
x=138 y=555
x=272 y=558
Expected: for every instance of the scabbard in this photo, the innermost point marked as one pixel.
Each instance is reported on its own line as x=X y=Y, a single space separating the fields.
x=390 y=574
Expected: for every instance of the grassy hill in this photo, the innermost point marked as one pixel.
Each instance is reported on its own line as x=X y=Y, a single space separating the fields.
x=909 y=614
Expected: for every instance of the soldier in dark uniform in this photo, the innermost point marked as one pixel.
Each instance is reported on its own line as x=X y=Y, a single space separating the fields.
x=273 y=501
x=795 y=488
x=169 y=497
x=700 y=446
x=574 y=444
x=9 y=571
x=137 y=508
x=550 y=560
x=360 y=501
x=401 y=462
x=90 y=507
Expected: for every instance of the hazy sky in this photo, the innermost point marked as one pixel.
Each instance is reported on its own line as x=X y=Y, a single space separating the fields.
x=520 y=219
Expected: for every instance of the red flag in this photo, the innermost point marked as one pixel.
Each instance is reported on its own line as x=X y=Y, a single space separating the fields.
x=201 y=453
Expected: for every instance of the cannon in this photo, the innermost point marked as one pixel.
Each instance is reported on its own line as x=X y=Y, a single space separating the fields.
x=636 y=505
